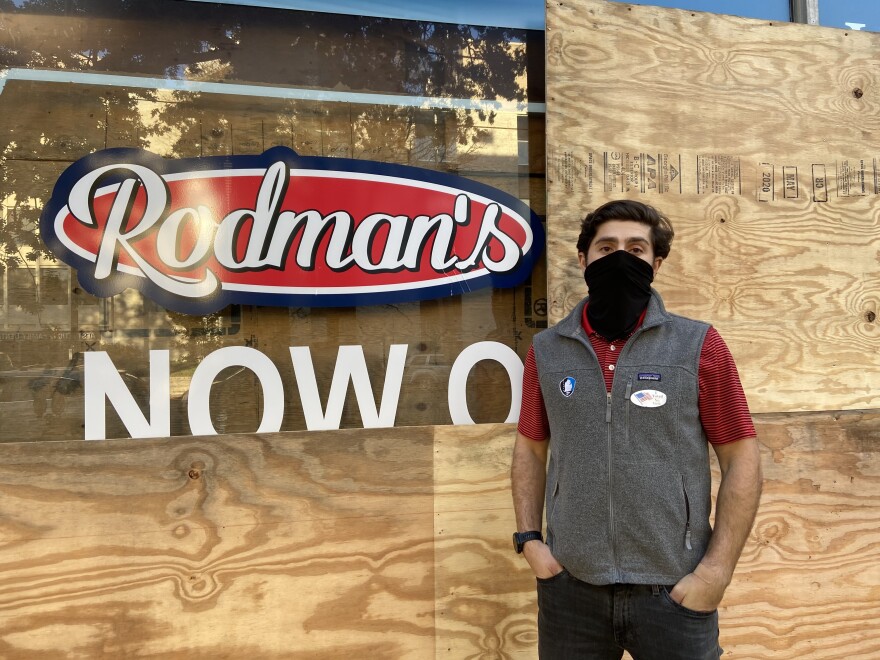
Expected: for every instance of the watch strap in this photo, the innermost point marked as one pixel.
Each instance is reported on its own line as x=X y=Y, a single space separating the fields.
x=521 y=538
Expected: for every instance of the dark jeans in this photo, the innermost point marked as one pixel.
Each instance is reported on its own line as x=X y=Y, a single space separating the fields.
x=577 y=620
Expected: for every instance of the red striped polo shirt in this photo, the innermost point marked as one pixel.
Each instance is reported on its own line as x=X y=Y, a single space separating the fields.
x=724 y=411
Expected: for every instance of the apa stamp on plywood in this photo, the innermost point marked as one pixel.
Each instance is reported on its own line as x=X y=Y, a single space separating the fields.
x=589 y=172
x=570 y=170
x=659 y=173
x=851 y=178
x=766 y=187
x=670 y=173
x=643 y=172
x=820 y=183
x=565 y=171
x=790 y=181
x=612 y=171
x=719 y=174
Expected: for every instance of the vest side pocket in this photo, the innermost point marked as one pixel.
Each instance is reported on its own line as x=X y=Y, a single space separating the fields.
x=651 y=520
x=551 y=505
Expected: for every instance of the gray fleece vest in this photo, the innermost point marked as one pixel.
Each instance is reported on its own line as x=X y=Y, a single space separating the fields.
x=628 y=485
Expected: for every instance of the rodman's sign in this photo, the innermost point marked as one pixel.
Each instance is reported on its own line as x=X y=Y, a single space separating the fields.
x=281 y=229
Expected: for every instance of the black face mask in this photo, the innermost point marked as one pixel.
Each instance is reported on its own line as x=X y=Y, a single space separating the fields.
x=620 y=287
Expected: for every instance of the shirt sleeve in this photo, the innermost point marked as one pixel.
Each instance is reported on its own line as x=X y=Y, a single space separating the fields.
x=533 y=422
x=724 y=411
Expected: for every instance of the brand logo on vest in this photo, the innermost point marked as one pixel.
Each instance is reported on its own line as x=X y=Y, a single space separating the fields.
x=282 y=229
x=649 y=376
x=566 y=386
x=648 y=398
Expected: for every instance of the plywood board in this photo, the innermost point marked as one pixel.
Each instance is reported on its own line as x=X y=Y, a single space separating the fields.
x=808 y=583
x=485 y=598
x=755 y=139
x=223 y=547
x=393 y=543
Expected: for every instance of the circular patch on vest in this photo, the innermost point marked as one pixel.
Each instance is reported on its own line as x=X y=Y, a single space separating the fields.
x=566 y=386
x=648 y=398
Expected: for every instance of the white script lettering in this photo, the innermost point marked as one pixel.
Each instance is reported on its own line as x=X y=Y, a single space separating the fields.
x=267 y=235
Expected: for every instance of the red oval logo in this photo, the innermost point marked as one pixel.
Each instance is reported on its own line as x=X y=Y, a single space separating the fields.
x=281 y=229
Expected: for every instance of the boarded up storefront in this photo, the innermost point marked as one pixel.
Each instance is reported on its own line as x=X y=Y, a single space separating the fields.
x=755 y=138
x=255 y=545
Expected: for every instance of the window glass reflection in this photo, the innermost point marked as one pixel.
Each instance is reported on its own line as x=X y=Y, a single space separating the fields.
x=188 y=79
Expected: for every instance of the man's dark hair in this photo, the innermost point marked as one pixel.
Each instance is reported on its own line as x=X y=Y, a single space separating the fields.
x=626 y=209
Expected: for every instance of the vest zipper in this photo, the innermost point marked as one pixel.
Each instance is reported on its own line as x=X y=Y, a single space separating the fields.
x=610 y=484
x=687 y=510
x=581 y=338
x=610 y=458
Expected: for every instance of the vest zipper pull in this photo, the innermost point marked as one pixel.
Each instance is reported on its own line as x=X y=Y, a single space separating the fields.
x=608 y=409
x=687 y=509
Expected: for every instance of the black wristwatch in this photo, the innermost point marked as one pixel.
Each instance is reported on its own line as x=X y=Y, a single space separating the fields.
x=521 y=538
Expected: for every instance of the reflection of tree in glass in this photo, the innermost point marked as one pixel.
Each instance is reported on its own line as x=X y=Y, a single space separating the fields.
x=196 y=336
x=273 y=47
x=20 y=246
x=45 y=126
x=345 y=53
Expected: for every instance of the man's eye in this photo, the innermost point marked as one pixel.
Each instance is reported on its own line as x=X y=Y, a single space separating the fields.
x=636 y=250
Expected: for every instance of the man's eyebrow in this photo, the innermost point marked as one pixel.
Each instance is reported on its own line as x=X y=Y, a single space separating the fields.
x=630 y=239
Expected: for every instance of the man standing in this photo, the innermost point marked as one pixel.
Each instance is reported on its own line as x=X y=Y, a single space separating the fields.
x=625 y=398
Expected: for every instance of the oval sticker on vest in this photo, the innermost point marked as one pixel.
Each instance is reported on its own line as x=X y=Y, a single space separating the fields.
x=648 y=398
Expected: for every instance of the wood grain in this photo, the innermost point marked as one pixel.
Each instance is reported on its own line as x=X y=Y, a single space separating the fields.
x=393 y=543
x=486 y=604
x=790 y=282
x=220 y=547
x=808 y=583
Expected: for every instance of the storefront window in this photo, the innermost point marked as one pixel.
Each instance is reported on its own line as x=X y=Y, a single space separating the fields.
x=187 y=79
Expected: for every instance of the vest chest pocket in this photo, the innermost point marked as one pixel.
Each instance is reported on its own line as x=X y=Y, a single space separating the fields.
x=653 y=408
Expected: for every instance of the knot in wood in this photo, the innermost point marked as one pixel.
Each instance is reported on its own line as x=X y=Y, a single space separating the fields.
x=870 y=317
x=193 y=474
x=858 y=93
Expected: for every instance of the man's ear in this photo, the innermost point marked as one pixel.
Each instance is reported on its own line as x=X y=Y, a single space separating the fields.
x=657 y=262
x=582 y=260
